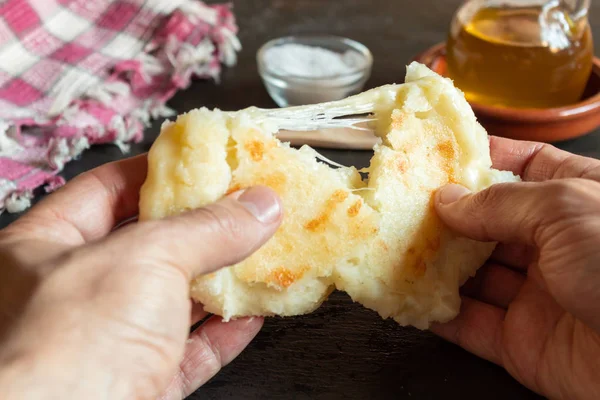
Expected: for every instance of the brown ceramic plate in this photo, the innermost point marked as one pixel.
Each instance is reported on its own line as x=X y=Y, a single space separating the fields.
x=541 y=125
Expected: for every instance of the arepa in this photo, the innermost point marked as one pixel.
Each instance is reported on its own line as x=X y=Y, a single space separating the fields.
x=378 y=239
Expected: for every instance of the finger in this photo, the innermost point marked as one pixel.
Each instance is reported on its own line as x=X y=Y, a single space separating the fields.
x=477 y=329
x=513 y=155
x=516 y=256
x=205 y=239
x=209 y=348
x=524 y=212
x=89 y=206
x=540 y=162
x=495 y=285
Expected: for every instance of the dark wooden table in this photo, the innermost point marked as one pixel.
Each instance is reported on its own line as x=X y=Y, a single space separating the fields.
x=342 y=351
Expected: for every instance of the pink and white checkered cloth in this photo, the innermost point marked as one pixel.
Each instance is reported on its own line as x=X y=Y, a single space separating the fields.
x=79 y=72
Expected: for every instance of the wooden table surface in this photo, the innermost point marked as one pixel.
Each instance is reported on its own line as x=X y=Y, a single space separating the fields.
x=342 y=351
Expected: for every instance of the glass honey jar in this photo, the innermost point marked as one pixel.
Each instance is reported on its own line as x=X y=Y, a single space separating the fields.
x=521 y=53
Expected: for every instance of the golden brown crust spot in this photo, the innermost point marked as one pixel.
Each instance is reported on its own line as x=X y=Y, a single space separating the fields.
x=446 y=149
x=354 y=209
x=426 y=244
x=275 y=181
x=448 y=154
x=426 y=251
x=284 y=278
x=402 y=164
x=233 y=189
x=318 y=224
x=256 y=149
x=338 y=196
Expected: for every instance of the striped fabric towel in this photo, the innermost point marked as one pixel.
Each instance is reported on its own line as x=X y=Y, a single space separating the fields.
x=74 y=73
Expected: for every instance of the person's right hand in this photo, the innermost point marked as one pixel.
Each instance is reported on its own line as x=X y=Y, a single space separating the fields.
x=535 y=307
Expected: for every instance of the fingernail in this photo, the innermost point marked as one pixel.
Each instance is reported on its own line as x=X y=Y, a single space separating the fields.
x=262 y=203
x=451 y=193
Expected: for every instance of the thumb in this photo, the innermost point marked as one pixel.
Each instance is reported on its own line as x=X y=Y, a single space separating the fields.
x=206 y=239
x=518 y=212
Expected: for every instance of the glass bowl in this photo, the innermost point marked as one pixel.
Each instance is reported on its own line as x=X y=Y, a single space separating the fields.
x=294 y=90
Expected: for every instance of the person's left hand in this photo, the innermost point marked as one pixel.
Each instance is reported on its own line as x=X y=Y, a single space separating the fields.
x=87 y=311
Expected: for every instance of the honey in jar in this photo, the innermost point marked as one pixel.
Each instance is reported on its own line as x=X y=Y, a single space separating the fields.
x=532 y=56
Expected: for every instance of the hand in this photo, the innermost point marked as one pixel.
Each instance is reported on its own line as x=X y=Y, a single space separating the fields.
x=89 y=313
x=535 y=307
